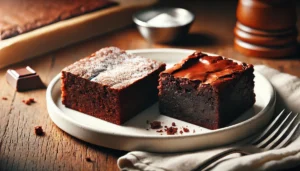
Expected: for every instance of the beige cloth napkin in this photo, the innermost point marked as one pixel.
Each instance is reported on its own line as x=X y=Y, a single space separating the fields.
x=288 y=97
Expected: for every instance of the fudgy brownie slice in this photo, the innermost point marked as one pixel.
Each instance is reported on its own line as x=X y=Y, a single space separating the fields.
x=209 y=91
x=111 y=84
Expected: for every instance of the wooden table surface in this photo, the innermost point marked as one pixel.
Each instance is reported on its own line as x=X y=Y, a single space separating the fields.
x=21 y=149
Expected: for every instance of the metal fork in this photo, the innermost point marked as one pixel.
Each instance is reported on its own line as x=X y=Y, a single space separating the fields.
x=278 y=134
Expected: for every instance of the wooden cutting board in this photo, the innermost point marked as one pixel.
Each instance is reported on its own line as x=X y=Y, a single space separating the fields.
x=69 y=31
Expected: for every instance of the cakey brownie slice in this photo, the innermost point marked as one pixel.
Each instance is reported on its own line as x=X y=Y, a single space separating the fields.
x=209 y=91
x=111 y=84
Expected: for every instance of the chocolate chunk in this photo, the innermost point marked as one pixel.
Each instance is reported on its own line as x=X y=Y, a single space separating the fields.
x=88 y=159
x=24 y=79
x=39 y=131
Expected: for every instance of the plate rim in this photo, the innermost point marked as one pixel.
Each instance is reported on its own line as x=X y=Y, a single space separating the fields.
x=52 y=104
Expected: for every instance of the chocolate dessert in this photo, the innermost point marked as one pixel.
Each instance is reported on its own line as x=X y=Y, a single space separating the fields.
x=24 y=79
x=209 y=91
x=111 y=84
x=21 y=16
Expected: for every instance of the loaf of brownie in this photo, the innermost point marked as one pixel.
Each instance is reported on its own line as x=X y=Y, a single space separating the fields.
x=111 y=84
x=209 y=91
x=21 y=16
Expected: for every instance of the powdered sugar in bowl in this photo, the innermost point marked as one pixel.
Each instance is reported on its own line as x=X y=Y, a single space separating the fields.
x=163 y=25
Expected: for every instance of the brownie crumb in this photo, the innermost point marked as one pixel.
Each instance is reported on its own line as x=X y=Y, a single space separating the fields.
x=171 y=130
x=166 y=127
x=4 y=98
x=29 y=101
x=186 y=130
x=159 y=130
x=39 y=131
x=173 y=124
x=88 y=159
x=147 y=129
x=181 y=132
x=155 y=125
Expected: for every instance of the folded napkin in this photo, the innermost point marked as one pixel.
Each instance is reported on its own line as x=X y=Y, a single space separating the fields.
x=288 y=97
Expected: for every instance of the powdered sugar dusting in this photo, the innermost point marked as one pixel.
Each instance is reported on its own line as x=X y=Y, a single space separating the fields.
x=113 y=67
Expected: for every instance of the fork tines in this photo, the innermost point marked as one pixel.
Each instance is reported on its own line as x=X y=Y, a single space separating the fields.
x=279 y=132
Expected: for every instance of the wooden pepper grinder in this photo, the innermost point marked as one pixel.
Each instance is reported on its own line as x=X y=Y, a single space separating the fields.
x=266 y=28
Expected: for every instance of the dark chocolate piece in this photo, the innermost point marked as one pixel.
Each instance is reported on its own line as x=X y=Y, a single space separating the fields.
x=88 y=159
x=39 y=131
x=24 y=79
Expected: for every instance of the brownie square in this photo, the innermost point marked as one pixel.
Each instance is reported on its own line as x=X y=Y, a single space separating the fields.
x=209 y=91
x=111 y=84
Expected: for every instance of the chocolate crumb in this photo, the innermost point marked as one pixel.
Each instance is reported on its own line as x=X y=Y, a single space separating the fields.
x=147 y=129
x=171 y=130
x=181 y=132
x=186 y=130
x=4 y=98
x=173 y=124
x=29 y=101
x=88 y=159
x=159 y=130
x=39 y=130
x=166 y=127
x=155 y=125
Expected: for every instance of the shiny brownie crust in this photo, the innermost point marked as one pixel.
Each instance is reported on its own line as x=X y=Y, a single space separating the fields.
x=211 y=104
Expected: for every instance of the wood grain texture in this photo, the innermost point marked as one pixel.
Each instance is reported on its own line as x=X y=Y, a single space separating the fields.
x=66 y=32
x=21 y=149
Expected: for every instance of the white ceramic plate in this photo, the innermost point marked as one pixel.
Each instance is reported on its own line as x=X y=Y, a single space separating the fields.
x=134 y=135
